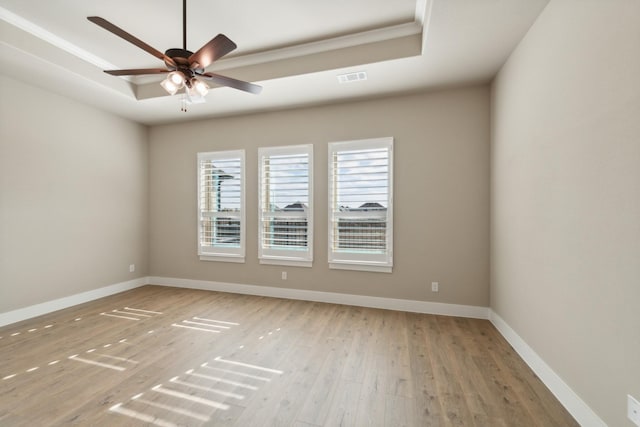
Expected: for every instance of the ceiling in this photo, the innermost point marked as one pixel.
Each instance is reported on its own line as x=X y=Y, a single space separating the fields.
x=295 y=49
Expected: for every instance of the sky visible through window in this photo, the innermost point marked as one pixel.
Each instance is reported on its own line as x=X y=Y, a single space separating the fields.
x=286 y=181
x=362 y=178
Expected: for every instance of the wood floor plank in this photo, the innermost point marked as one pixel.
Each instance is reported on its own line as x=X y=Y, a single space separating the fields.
x=371 y=403
x=320 y=396
x=344 y=404
x=427 y=406
x=168 y=356
x=399 y=411
x=399 y=366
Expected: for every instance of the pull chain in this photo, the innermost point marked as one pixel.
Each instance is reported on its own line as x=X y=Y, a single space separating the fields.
x=183 y=108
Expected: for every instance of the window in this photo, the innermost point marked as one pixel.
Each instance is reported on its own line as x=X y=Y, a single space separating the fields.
x=286 y=213
x=221 y=217
x=361 y=205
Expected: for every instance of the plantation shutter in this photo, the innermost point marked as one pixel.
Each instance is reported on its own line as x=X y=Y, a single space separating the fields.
x=360 y=191
x=221 y=205
x=286 y=211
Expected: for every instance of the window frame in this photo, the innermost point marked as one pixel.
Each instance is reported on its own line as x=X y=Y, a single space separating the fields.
x=219 y=253
x=295 y=258
x=345 y=260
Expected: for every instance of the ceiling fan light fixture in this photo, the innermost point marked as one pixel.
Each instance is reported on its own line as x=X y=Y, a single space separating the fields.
x=174 y=82
x=192 y=94
x=169 y=86
x=177 y=78
x=200 y=87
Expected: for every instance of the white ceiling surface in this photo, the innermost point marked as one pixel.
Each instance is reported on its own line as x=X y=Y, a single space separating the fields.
x=293 y=48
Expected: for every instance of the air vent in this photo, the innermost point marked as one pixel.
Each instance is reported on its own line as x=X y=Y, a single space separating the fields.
x=352 y=77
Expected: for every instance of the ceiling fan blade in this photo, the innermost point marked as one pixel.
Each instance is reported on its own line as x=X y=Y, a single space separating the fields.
x=130 y=38
x=230 y=82
x=137 y=72
x=217 y=47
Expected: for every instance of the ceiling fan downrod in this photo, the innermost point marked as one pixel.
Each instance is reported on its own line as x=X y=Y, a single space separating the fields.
x=184 y=24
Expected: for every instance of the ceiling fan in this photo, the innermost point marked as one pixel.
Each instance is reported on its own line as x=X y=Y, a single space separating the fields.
x=183 y=67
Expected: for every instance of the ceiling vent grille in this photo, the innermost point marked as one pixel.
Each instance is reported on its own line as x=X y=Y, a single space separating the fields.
x=352 y=77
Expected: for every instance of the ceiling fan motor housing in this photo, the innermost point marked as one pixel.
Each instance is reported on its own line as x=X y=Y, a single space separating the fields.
x=181 y=58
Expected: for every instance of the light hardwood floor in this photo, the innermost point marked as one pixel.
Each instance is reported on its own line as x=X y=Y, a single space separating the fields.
x=165 y=356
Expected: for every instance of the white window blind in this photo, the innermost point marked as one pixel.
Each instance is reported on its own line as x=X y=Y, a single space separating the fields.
x=361 y=204
x=285 y=205
x=221 y=212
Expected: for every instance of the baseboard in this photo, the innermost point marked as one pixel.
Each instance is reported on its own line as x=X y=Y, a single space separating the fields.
x=329 y=297
x=582 y=413
x=58 y=304
x=298 y=294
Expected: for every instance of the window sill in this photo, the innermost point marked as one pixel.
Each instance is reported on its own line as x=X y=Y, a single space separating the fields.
x=360 y=267
x=287 y=262
x=222 y=258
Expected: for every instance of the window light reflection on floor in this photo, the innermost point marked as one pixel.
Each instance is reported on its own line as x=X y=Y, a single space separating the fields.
x=141 y=416
x=221 y=380
x=160 y=389
x=208 y=389
x=207 y=384
x=175 y=409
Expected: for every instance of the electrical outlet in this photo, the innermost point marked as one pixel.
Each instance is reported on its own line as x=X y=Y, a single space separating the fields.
x=284 y=275
x=434 y=286
x=132 y=268
x=633 y=410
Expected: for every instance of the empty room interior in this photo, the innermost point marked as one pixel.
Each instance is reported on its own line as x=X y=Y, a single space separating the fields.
x=338 y=213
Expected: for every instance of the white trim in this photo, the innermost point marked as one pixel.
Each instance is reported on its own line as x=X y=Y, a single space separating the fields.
x=582 y=413
x=421 y=12
x=56 y=41
x=65 y=302
x=285 y=261
x=341 y=42
x=344 y=265
x=424 y=12
x=223 y=258
x=412 y=306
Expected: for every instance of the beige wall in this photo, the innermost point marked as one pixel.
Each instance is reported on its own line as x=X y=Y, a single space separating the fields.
x=441 y=194
x=565 y=229
x=73 y=197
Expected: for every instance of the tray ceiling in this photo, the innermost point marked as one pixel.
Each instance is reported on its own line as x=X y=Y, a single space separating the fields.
x=294 y=49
